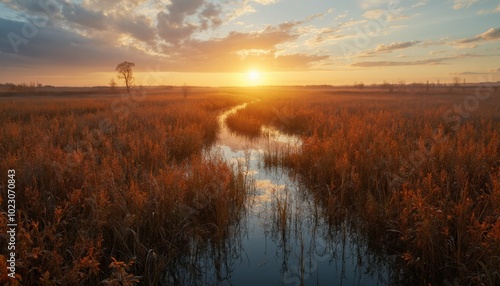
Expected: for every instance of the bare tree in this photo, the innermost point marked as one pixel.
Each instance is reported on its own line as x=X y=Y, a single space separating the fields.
x=112 y=84
x=360 y=85
x=185 y=90
x=455 y=83
x=388 y=85
x=401 y=85
x=125 y=72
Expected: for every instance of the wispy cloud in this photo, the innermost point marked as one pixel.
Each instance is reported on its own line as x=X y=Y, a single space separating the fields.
x=419 y=4
x=324 y=35
x=466 y=73
x=489 y=11
x=492 y=34
x=433 y=61
x=396 y=46
x=366 y=4
x=437 y=52
x=352 y=22
x=492 y=71
x=246 y=7
x=383 y=49
x=342 y=16
x=459 y=4
x=384 y=14
x=265 y=2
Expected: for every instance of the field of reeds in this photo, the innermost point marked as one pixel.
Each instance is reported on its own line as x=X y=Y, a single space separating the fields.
x=113 y=189
x=418 y=173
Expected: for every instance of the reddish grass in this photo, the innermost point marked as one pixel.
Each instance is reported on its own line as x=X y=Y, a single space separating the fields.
x=423 y=186
x=119 y=204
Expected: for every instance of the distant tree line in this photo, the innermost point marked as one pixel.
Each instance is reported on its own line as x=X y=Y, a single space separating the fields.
x=456 y=85
x=32 y=85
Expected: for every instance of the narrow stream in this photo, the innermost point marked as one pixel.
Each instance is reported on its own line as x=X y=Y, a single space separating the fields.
x=283 y=239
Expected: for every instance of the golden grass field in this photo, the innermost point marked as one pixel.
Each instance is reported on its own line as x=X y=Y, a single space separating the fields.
x=111 y=189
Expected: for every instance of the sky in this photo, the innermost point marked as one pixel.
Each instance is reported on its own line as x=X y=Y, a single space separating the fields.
x=249 y=42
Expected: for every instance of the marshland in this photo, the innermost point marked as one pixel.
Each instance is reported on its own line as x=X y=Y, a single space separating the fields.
x=281 y=185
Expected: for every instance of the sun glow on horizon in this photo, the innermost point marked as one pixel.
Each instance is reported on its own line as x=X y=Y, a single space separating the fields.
x=254 y=76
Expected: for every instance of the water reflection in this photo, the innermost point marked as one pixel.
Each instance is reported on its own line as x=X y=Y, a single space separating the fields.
x=209 y=262
x=312 y=252
x=284 y=236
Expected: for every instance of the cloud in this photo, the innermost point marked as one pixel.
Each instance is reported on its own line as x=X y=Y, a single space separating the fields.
x=459 y=4
x=113 y=18
x=492 y=71
x=85 y=18
x=141 y=19
x=296 y=61
x=246 y=7
x=490 y=11
x=396 y=46
x=237 y=51
x=492 y=34
x=27 y=6
x=179 y=9
x=54 y=47
x=437 y=52
x=382 y=49
x=466 y=73
x=139 y=27
x=419 y=4
x=352 y=22
x=366 y=4
x=375 y=14
x=152 y=33
x=381 y=14
x=265 y=2
x=434 y=61
x=393 y=63
x=170 y=31
x=342 y=15
x=324 y=35
x=243 y=9
x=211 y=13
x=235 y=41
x=173 y=26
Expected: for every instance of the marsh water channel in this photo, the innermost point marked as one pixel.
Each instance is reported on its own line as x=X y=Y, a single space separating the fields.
x=282 y=238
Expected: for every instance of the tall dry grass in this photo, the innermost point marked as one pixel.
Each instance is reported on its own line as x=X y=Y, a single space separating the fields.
x=114 y=193
x=422 y=181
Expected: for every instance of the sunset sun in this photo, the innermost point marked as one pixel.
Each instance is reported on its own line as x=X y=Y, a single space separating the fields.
x=253 y=76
